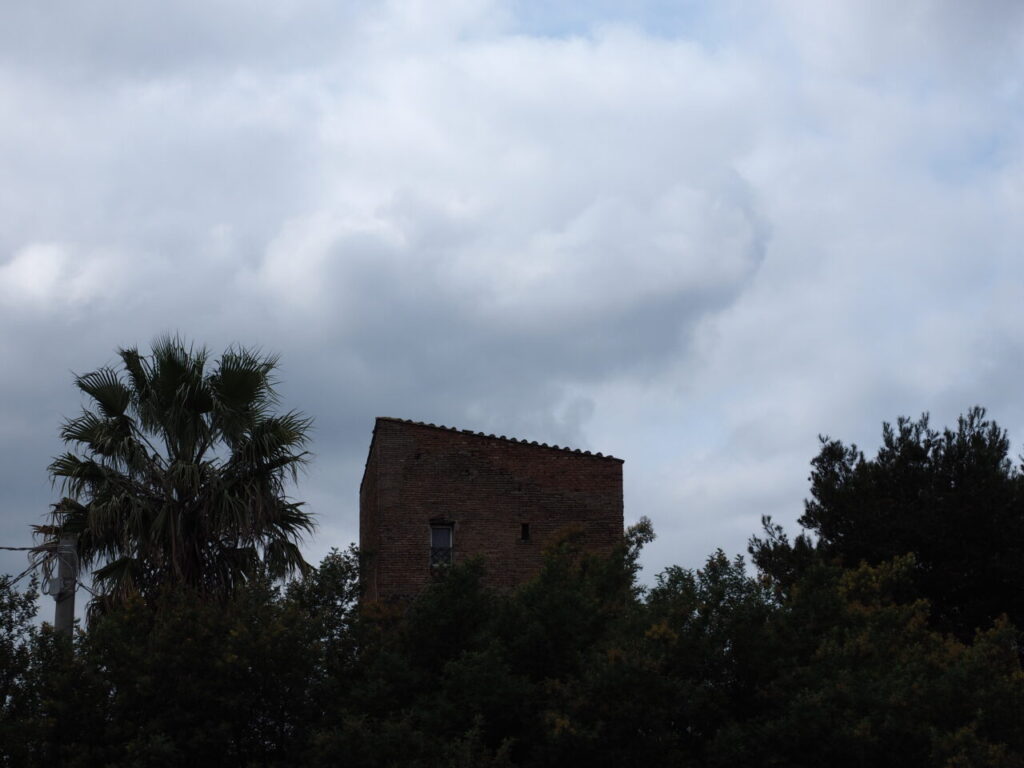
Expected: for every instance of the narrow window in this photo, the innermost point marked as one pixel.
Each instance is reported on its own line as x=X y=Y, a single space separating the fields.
x=524 y=532
x=440 y=545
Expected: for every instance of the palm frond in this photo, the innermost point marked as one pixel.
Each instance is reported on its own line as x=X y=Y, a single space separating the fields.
x=138 y=373
x=282 y=558
x=77 y=476
x=110 y=436
x=177 y=473
x=275 y=442
x=118 y=578
x=106 y=388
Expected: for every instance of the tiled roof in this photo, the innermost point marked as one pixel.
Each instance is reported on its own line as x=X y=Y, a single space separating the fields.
x=564 y=449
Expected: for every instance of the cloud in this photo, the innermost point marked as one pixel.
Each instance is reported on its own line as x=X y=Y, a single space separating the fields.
x=691 y=238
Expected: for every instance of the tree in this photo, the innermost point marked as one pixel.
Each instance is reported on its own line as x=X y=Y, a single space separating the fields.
x=953 y=499
x=858 y=677
x=177 y=473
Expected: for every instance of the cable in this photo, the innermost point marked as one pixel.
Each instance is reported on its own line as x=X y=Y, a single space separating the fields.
x=47 y=565
x=19 y=577
x=73 y=562
x=88 y=589
x=10 y=582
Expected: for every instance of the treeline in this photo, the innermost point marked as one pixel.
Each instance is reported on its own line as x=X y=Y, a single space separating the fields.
x=885 y=633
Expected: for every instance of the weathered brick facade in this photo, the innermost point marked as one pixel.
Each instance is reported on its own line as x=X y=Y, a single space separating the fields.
x=500 y=498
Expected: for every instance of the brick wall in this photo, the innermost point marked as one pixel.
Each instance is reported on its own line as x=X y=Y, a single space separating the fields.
x=486 y=488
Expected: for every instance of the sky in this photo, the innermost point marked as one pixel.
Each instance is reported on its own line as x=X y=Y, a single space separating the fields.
x=693 y=235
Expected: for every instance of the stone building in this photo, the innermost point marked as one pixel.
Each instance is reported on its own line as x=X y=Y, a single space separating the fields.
x=432 y=496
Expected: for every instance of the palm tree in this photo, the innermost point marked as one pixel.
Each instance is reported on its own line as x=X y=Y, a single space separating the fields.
x=177 y=473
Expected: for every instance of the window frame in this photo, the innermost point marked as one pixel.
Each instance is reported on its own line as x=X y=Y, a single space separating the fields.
x=442 y=557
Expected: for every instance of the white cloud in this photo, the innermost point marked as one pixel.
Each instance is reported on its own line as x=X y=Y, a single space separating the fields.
x=695 y=245
x=53 y=278
x=34 y=274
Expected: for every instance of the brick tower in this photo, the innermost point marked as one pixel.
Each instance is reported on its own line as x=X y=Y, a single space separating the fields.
x=432 y=496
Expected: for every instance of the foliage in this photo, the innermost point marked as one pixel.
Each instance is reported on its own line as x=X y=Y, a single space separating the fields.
x=708 y=668
x=17 y=612
x=177 y=473
x=814 y=659
x=864 y=680
x=177 y=681
x=952 y=499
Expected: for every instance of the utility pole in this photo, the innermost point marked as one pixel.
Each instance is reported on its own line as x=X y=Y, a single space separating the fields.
x=67 y=582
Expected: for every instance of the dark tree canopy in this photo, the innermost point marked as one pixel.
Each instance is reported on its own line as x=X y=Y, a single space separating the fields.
x=577 y=667
x=177 y=472
x=953 y=499
x=837 y=652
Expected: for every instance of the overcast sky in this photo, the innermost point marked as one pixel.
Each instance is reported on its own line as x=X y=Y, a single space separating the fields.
x=692 y=235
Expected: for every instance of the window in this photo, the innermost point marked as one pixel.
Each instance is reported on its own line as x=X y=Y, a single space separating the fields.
x=524 y=532
x=440 y=545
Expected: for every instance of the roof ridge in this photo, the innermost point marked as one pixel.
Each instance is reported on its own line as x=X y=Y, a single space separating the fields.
x=522 y=441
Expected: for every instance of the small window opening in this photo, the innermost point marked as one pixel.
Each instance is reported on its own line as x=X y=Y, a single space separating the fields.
x=441 y=545
x=524 y=532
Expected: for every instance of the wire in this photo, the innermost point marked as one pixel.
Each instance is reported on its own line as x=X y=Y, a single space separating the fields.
x=88 y=589
x=73 y=562
x=47 y=564
x=19 y=577
x=10 y=582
